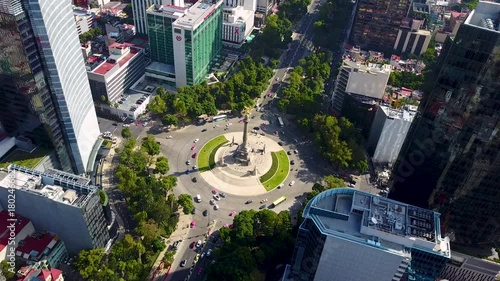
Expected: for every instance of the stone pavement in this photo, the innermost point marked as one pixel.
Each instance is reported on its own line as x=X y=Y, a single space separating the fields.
x=229 y=179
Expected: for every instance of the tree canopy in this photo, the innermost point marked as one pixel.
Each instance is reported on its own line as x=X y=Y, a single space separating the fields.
x=90 y=35
x=186 y=202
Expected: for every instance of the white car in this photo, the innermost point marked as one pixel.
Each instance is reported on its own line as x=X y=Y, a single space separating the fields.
x=216 y=207
x=209 y=252
x=169 y=137
x=196 y=140
x=126 y=125
x=216 y=197
x=212 y=202
x=291 y=183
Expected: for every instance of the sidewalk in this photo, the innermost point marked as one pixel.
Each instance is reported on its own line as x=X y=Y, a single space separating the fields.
x=180 y=233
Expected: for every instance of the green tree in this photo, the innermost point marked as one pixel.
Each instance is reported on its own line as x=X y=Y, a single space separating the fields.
x=150 y=145
x=148 y=230
x=361 y=166
x=168 y=258
x=157 y=105
x=333 y=182
x=170 y=120
x=4 y=265
x=186 y=202
x=162 y=166
x=88 y=262
x=126 y=133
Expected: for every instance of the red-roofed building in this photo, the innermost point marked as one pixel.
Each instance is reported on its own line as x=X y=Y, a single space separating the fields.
x=117 y=73
x=52 y=274
x=18 y=226
x=42 y=247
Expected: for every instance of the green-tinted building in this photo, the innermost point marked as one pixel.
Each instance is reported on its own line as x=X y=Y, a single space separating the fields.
x=184 y=42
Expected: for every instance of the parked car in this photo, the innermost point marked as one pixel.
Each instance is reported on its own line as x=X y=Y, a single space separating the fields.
x=212 y=202
x=216 y=207
x=214 y=191
x=291 y=183
x=232 y=213
x=209 y=252
x=194 y=155
x=193 y=224
x=216 y=197
x=192 y=245
x=188 y=162
x=196 y=140
x=198 y=244
x=205 y=213
x=222 y=194
x=262 y=206
x=249 y=202
x=204 y=130
x=289 y=153
x=292 y=162
x=193 y=147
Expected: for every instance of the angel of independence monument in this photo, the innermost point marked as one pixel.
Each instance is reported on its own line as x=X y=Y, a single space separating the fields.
x=244 y=152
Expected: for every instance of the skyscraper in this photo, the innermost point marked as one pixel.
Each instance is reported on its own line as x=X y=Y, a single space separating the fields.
x=139 y=8
x=377 y=23
x=451 y=159
x=184 y=42
x=349 y=235
x=44 y=91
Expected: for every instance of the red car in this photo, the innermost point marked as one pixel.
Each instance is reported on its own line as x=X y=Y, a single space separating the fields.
x=200 y=271
x=192 y=245
x=194 y=155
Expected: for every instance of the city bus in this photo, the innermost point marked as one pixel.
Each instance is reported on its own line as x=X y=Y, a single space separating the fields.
x=279 y=201
x=218 y=118
x=280 y=121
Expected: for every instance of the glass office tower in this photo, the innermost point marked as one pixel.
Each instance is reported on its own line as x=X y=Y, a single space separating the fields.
x=44 y=89
x=450 y=160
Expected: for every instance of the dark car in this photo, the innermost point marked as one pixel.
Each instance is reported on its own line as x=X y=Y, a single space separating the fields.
x=292 y=162
x=289 y=153
x=194 y=179
x=280 y=143
x=183 y=263
x=256 y=128
x=249 y=202
x=222 y=194
x=205 y=213
x=193 y=211
x=204 y=130
x=114 y=124
x=192 y=244
x=262 y=206
x=176 y=244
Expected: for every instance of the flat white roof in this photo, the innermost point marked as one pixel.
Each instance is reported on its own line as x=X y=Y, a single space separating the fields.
x=486 y=16
x=196 y=14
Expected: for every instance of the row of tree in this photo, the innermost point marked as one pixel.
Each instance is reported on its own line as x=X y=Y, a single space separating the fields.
x=235 y=94
x=274 y=38
x=141 y=178
x=258 y=241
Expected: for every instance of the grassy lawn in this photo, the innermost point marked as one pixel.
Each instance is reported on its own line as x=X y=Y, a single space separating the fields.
x=24 y=158
x=206 y=156
x=283 y=166
x=272 y=171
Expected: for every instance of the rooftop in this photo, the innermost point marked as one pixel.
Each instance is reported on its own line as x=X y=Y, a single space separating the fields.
x=42 y=275
x=404 y=114
x=55 y=185
x=196 y=14
x=377 y=221
x=120 y=54
x=35 y=245
x=485 y=16
x=167 y=10
x=369 y=67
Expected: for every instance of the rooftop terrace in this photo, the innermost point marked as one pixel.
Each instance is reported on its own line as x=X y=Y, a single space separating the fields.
x=116 y=58
x=55 y=185
x=486 y=16
x=377 y=221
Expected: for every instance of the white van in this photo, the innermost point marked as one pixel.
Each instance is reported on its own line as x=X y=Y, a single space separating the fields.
x=198 y=198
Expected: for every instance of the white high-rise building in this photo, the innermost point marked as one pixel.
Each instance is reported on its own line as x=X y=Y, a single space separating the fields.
x=139 y=8
x=57 y=39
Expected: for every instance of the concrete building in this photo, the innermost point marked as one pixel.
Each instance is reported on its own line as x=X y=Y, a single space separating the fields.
x=237 y=25
x=139 y=8
x=112 y=76
x=264 y=7
x=376 y=26
x=44 y=93
x=450 y=22
x=184 y=42
x=349 y=235
x=84 y=20
x=450 y=160
x=60 y=203
x=364 y=80
x=388 y=133
x=23 y=228
x=411 y=38
x=42 y=247
x=52 y=274
x=462 y=267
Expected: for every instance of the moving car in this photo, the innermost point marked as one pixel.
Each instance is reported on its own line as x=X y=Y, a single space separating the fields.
x=232 y=213
x=198 y=198
x=295 y=151
x=193 y=147
x=216 y=207
x=196 y=140
x=212 y=202
x=289 y=153
x=249 y=202
x=214 y=191
x=280 y=143
x=222 y=194
x=204 y=130
x=200 y=271
x=209 y=252
x=205 y=213
x=262 y=206
x=291 y=183
x=292 y=162
x=188 y=162
x=192 y=245
x=193 y=224
x=216 y=197
x=194 y=155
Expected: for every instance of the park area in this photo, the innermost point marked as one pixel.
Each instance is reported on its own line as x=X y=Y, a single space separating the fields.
x=24 y=158
x=206 y=157
x=278 y=172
